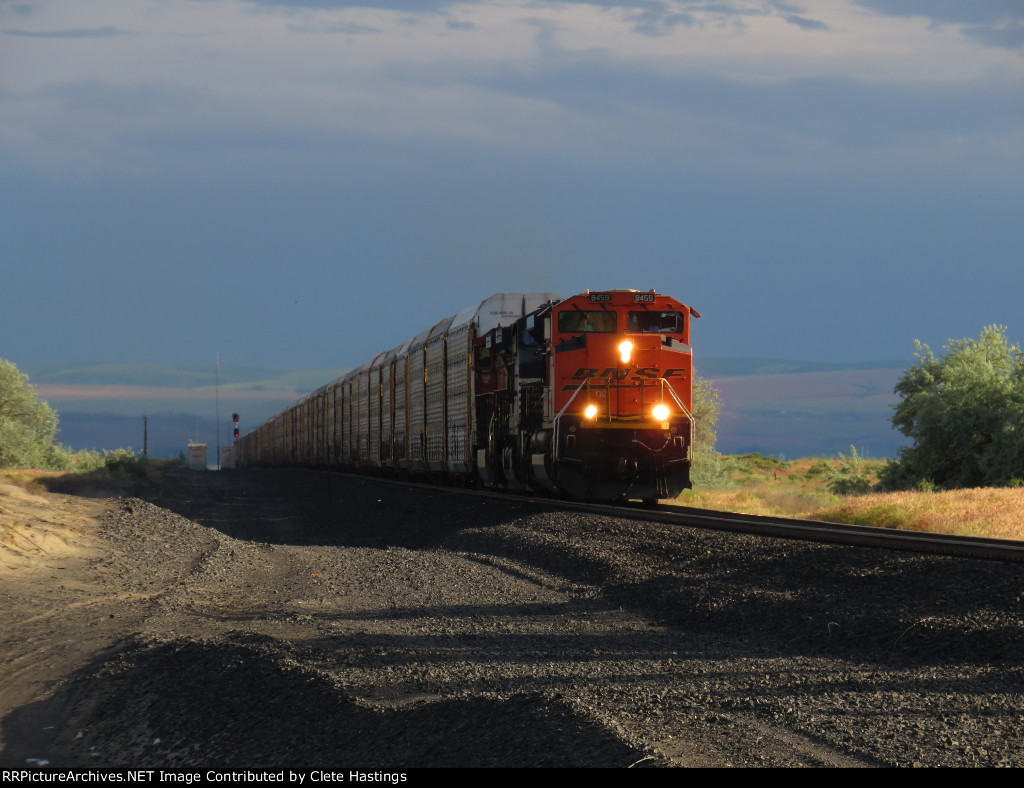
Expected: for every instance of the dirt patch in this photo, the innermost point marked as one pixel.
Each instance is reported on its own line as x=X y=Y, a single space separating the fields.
x=41 y=533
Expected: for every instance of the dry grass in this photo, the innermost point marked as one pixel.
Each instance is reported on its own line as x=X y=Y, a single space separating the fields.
x=764 y=498
x=27 y=479
x=767 y=486
x=991 y=512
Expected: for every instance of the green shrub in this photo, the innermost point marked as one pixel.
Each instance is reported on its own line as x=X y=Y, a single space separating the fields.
x=124 y=464
x=849 y=478
x=963 y=410
x=764 y=462
x=27 y=424
x=88 y=460
x=711 y=471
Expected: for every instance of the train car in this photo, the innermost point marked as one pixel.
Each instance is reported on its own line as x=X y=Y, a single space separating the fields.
x=587 y=397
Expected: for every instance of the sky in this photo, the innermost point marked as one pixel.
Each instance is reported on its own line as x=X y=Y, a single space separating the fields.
x=307 y=183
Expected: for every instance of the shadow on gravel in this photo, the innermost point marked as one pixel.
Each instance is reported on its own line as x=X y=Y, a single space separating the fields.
x=306 y=507
x=244 y=702
x=787 y=597
x=776 y=596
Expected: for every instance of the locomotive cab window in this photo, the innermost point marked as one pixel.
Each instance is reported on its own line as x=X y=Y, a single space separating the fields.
x=655 y=323
x=573 y=321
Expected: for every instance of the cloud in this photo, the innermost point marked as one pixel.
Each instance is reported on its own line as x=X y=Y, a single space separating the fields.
x=345 y=28
x=806 y=24
x=659 y=23
x=408 y=6
x=95 y=32
x=1008 y=35
x=956 y=11
x=998 y=23
x=516 y=79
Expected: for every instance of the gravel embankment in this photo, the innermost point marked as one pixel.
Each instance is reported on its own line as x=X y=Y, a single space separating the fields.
x=290 y=618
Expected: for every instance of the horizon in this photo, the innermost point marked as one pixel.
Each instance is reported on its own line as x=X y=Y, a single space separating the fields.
x=803 y=409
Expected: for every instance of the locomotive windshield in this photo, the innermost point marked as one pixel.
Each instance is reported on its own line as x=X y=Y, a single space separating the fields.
x=574 y=321
x=655 y=323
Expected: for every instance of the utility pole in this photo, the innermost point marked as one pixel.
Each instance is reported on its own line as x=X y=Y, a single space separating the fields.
x=216 y=405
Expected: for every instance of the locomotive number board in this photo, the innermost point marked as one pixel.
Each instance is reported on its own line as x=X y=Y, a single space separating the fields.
x=638 y=298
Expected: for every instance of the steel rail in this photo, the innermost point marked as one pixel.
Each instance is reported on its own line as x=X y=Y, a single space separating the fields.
x=757 y=525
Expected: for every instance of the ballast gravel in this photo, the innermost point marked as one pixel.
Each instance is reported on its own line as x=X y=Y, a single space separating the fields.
x=299 y=618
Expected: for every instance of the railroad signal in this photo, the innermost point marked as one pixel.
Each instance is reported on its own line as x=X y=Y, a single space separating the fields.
x=234 y=418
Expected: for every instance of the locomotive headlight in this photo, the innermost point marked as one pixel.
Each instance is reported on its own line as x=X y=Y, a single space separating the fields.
x=660 y=412
x=625 y=351
x=590 y=411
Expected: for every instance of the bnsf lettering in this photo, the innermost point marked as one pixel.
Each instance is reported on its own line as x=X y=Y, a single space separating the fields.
x=638 y=375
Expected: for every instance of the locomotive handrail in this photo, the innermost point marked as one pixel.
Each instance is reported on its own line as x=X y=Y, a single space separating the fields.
x=586 y=383
x=558 y=418
x=679 y=402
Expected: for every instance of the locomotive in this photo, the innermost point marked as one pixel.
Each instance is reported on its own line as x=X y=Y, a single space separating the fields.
x=588 y=397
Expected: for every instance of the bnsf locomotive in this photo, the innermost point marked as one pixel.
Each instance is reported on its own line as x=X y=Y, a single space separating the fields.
x=588 y=397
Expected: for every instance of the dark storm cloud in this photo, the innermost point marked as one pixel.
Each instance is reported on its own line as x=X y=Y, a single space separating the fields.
x=995 y=22
x=345 y=28
x=806 y=24
x=95 y=32
x=974 y=11
x=1010 y=35
x=648 y=17
x=658 y=23
x=656 y=18
x=844 y=111
x=409 y=6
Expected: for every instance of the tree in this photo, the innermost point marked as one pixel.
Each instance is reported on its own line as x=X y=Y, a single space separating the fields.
x=27 y=424
x=707 y=466
x=965 y=413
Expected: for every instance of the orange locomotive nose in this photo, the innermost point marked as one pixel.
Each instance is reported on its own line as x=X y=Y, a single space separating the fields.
x=622 y=389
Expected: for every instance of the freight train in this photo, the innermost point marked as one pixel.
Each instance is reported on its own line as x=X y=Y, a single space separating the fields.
x=588 y=397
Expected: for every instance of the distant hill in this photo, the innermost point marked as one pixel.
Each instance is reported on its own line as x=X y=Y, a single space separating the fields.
x=805 y=414
x=101 y=406
x=299 y=381
x=741 y=367
x=773 y=406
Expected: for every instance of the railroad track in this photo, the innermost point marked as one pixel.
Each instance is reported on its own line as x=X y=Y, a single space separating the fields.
x=828 y=532
x=780 y=527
